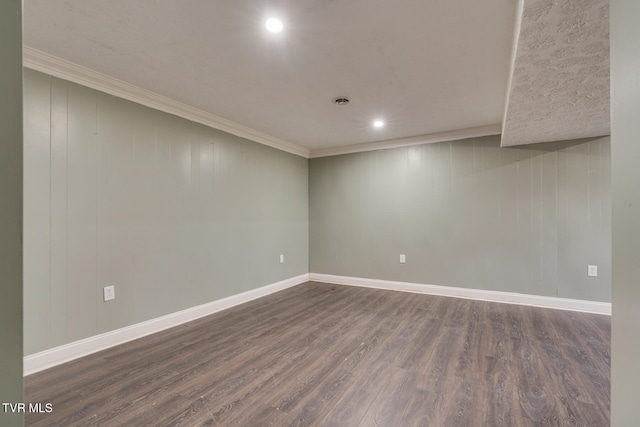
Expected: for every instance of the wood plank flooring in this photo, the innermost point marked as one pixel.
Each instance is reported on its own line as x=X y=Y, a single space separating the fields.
x=327 y=355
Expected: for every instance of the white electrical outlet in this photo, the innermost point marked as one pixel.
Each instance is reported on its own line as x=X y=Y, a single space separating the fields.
x=282 y=259
x=403 y=259
x=109 y=292
x=592 y=271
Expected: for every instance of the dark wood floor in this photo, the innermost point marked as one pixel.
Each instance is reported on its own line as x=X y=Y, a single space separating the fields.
x=325 y=355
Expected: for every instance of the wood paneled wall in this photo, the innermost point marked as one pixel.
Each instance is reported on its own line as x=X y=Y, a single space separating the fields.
x=173 y=213
x=468 y=214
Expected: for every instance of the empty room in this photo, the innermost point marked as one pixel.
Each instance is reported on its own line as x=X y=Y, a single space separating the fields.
x=320 y=213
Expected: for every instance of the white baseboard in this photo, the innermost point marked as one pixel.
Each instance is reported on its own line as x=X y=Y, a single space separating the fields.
x=65 y=353
x=477 y=294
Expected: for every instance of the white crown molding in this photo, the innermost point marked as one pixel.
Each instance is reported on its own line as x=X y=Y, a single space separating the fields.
x=57 y=67
x=65 y=353
x=475 y=132
x=476 y=294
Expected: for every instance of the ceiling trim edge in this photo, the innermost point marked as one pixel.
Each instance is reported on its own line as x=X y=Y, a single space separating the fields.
x=514 y=50
x=57 y=67
x=452 y=135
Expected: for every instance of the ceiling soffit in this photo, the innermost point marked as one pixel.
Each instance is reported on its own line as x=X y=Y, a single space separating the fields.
x=559 y=87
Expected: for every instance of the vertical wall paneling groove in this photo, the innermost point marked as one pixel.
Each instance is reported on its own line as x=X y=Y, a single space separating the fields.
x=82 y=212
x=467 y=214
x=37 y=199
x=172 y=213
x=59 y=208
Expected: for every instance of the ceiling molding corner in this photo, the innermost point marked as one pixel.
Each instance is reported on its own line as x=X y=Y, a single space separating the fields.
x=57 y=67
x=474 y=132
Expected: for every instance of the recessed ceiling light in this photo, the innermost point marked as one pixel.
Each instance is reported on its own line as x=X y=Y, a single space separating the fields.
x=378 y=123
x=274 y=25
x=341 y=100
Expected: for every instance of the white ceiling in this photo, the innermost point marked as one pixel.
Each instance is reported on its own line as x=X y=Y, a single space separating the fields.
x=425 y=67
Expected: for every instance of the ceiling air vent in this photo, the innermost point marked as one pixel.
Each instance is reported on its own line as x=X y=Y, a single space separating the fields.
x=341 y=100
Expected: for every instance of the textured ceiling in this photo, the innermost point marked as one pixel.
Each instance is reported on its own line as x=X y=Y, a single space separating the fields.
x=560 y=83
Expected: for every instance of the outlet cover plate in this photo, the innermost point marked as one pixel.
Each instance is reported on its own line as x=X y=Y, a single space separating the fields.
x=592 y=271
x=109 y=293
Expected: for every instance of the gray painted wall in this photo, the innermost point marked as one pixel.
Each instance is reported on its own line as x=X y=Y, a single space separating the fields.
x=11 y=208
x=468 y=214
x=173 y=213
x=625 y=158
